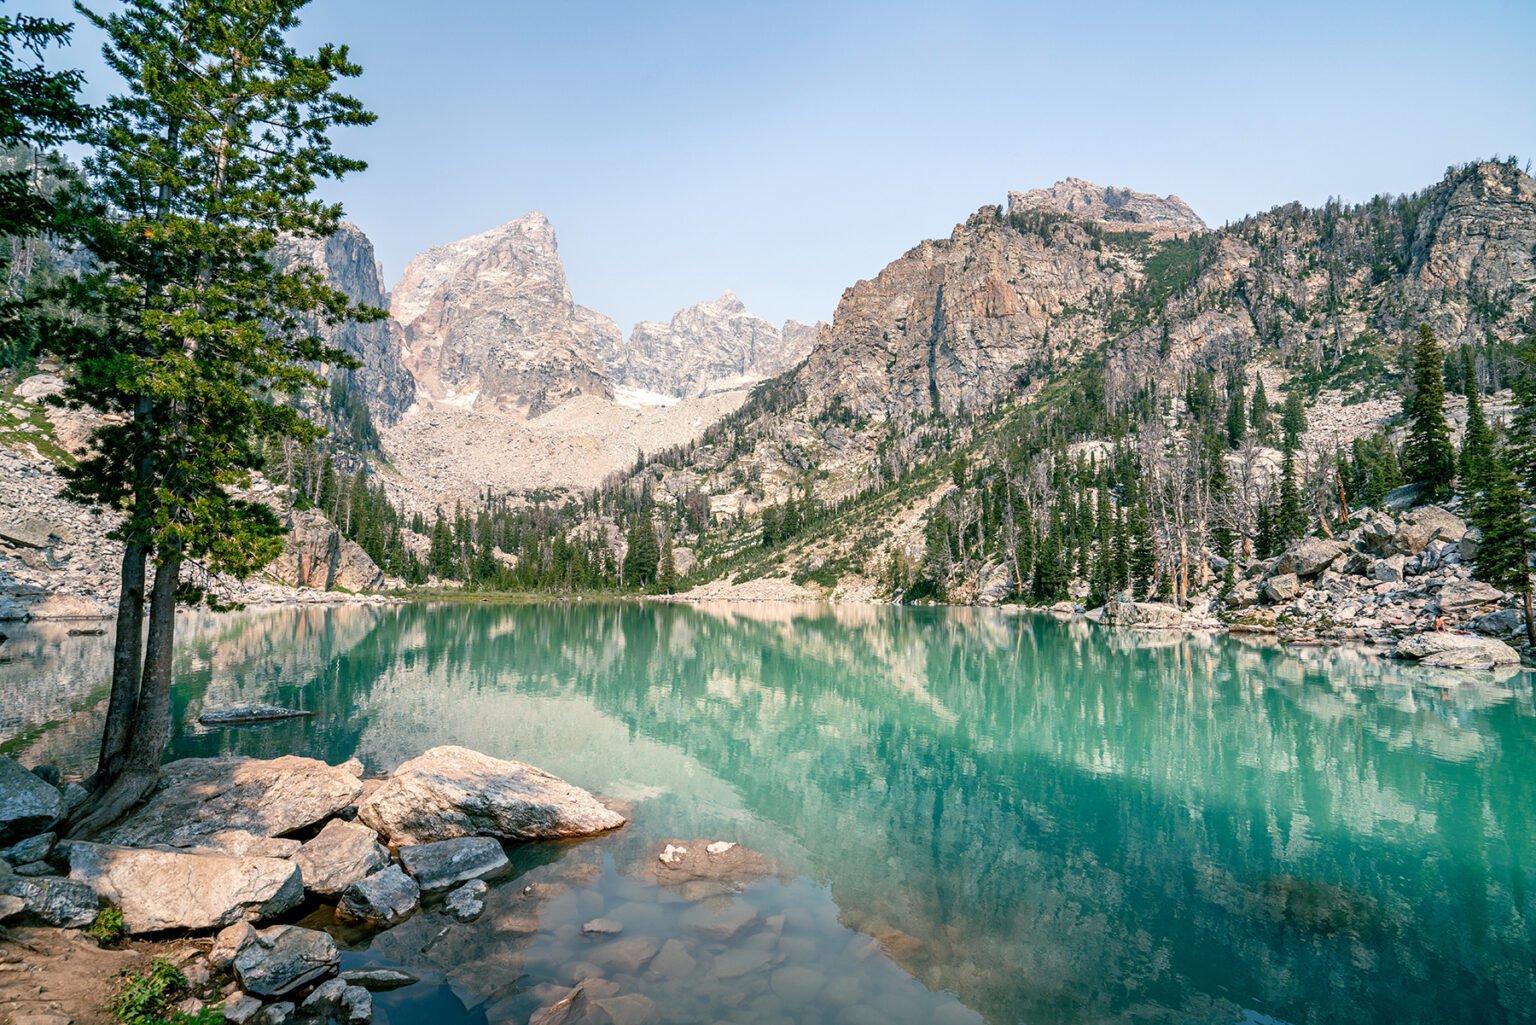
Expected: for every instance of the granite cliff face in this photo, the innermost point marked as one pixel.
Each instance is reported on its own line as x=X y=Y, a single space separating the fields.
x=346 y=260
x=488 y=323
x=707 y=348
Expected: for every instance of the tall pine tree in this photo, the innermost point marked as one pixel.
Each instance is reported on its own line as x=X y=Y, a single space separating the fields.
x=1429 y=456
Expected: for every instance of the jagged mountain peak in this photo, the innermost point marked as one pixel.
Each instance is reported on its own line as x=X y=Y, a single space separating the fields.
x=1109 y=204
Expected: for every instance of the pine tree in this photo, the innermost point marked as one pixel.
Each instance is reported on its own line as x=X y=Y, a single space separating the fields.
x=1504 y=554
x=1477 y=443
x=1143 y=550
x=1291 y=517
x=1293 y=421
x=1429 y=455
x=666 y=571
x=1258 y=414
x=643 y=554
x=1237 y=412
x=186 y=334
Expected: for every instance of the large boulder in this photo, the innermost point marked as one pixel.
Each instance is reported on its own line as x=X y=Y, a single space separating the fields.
x=1281 y=587
x=383 y=898
x=51 y=900
x=1449 y=650
x=1505 y=624
x=339 y=856
x=438 y=865
x=198 y=797
x=28 y=805
x=1308 y=557
x=159 y=889
x=1427 y=524
x=452 y=791
x=1465 y=595
x=283 y=958
x=1145 y=615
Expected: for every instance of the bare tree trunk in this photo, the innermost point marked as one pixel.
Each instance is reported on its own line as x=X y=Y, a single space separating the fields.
x=151 y=727
x=127 y=656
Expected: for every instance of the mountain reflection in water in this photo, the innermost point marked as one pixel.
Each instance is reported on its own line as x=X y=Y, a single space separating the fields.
x=1052 y=822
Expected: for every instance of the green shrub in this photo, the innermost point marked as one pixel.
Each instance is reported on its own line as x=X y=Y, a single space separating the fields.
x=108 y=928
x=148 y=998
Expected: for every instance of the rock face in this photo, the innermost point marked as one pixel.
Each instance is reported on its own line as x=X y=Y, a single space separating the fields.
x=1308 y=557
x=1115 y=207
x=27 y=804
x=339 y=856
x=1457 y=651
x=347 y=263
x=201 y=796
x=161 y=889
x=316 y=555
x=452 y=791
x=489 y=322
x=710 y=347
x=1147 y=615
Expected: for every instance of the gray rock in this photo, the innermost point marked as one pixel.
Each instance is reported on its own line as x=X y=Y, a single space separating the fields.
x=1456 y=651
x=1282 y=587
x=159 y=889
x=28 y=805
x=283 y=958
x=1405 y=497
x=75 y=795
x=454 y=792
x=1464 y=595
x=384 y=898
x=249 y=714
x=603 y=927
x=200 y=796
x=228 y=944
x=280 y=1013
x=379 y=979
x=1144 y=615
x=52 y=900
x=1308 y=557
x=1505 y=624
x=241 y=1008
x=437 y=866
x=468 y=901
x=339 y=856
x=34 y=848
x=34 y=868
x=1388 y=570
x=1427 y=524
x=1469 y=544
x=10 y=907
x=997 y=586
x=334 y=1002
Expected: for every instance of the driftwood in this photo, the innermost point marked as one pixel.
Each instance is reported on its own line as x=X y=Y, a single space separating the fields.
x=249 y=714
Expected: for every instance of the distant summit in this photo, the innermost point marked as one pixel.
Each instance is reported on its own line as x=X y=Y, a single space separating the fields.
x=1108 y=205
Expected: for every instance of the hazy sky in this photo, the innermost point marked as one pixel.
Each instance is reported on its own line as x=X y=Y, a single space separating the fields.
x=784 y=150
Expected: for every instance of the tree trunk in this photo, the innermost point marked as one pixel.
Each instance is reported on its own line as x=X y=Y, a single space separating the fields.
x=127 y=656
x=152 y=715
x=1530 y=621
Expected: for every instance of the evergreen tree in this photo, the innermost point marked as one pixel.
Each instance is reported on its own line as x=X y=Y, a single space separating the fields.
x=1477 y=443
x=1429 y=456
x=185 y=334
x=1293 y=421
x=1504 y=554
x=643 y=554
x=1237 y=412
x=666 y=571
x=1258 y=415
x=1291 y=517
x=1143 y=550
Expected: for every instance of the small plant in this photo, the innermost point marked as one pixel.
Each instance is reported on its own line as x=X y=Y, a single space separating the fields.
x=146 y=996
x=108 y=928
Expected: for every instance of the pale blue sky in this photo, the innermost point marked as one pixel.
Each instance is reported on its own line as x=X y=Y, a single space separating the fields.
x=784 y=150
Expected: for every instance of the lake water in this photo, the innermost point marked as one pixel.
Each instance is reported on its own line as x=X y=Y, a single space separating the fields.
x=976 y=816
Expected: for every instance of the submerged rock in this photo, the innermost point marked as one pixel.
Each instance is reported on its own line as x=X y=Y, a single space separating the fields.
x=1449 y=650
x=28 y=804
x=265 y=797
x=339 y=856
x=437 y=866
x=453 y=792
x=384 y=898
x=162 y=889
x=379 y=979
x=336 y=1002
x=283 y=958
x=467 y=903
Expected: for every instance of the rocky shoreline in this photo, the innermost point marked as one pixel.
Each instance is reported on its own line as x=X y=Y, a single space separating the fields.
x=237 y=849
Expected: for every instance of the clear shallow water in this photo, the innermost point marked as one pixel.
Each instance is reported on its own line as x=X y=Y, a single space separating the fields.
x=1036 y=821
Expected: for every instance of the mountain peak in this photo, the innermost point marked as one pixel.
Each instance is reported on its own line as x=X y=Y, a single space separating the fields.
x=1109 y=204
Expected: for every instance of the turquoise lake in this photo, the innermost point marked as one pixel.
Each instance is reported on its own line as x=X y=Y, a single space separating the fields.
x=976 y=815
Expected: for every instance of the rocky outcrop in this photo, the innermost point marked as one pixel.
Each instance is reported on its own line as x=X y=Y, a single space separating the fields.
x=347 y=263
x=450 y=792
x=340 y=855
x=1146 y=615
x=1106 y=205
x=316 y=555
x=266 y=798
x=709 y=347
x=65 y=903
x=28 y=805
x=489 y=322
x=158 y=890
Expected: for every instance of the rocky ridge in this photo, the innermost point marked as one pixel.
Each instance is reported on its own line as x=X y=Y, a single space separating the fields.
x=709 y=347
x=1109 y=206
